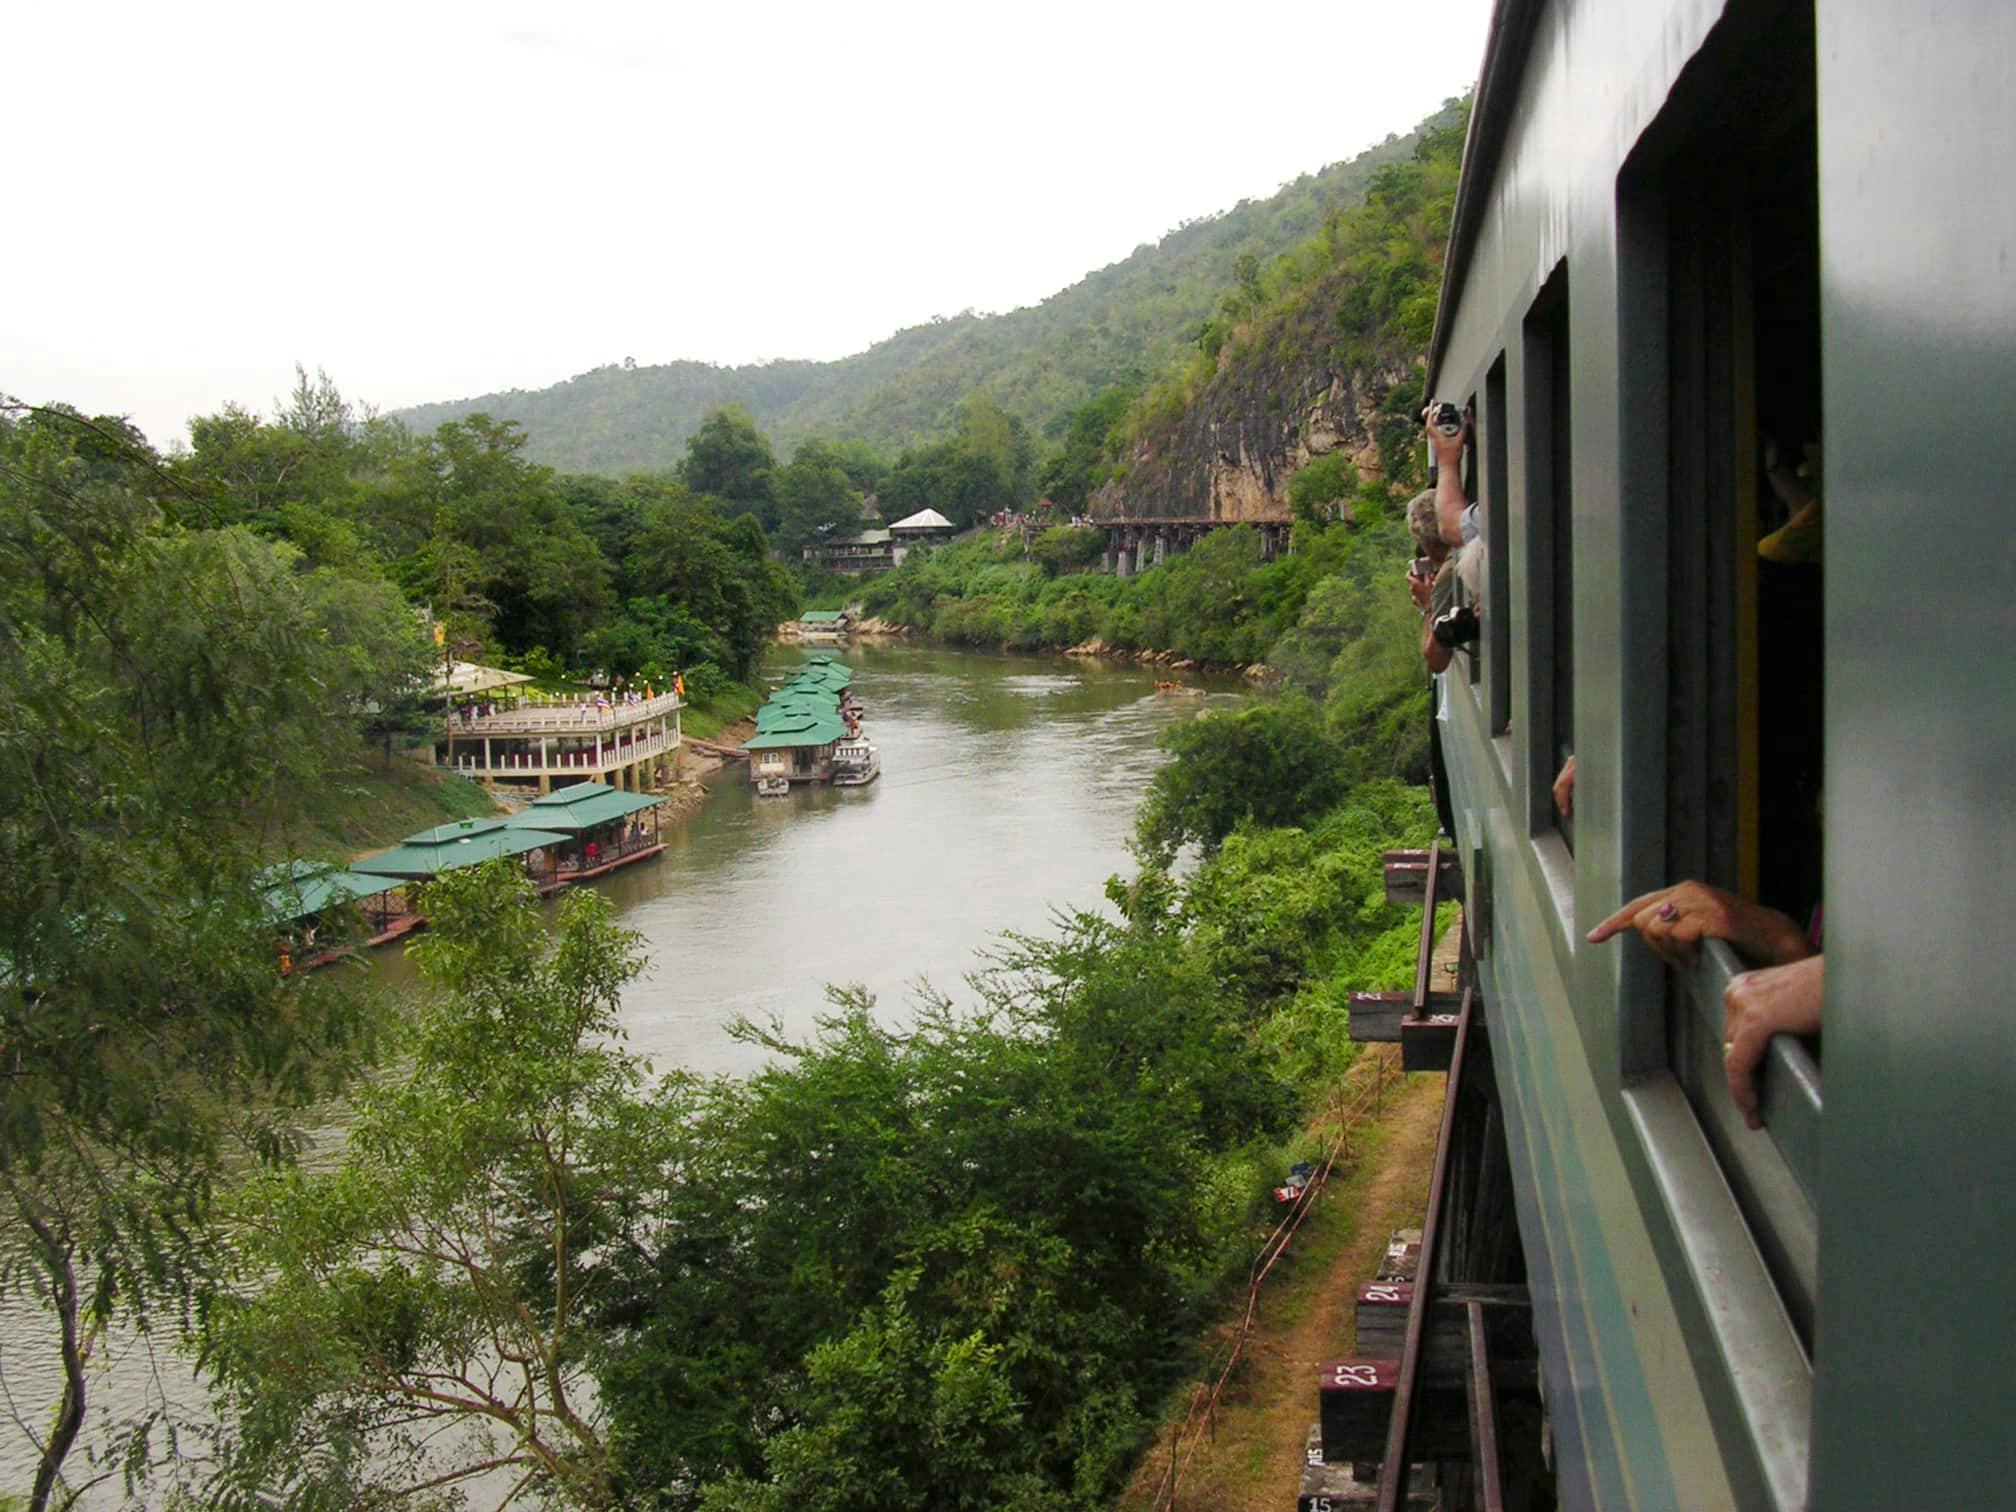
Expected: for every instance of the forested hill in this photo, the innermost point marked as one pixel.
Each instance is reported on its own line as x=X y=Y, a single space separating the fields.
x=1037 y=363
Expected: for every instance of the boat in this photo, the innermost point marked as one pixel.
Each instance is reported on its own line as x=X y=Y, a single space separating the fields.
x=855 y=761
x=1182 y=690
x=773 y=787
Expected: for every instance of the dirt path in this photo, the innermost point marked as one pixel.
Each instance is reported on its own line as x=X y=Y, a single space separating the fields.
x=1250 y=1459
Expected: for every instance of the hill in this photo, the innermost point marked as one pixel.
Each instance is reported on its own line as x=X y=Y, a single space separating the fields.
x=1037 y=363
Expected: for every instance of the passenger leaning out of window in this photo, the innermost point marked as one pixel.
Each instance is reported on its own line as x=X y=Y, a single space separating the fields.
x=1460 y=526
x=1431 y=578
x=1782 y=996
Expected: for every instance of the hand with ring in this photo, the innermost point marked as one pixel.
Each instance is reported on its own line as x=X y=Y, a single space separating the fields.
x=1674 y=921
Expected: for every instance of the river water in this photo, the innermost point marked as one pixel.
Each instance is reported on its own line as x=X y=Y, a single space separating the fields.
x=1008 y=790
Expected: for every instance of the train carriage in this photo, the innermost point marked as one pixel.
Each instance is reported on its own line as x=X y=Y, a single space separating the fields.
x=1697 y=244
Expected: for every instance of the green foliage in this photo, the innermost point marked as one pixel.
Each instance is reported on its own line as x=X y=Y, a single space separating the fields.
x=816 y=497
x=450 y=1269
x=1316 y=490
x=728 y=459
x=1069 y=478
x=987 y=466
x=1269 y=764
x=948 y=1267
x=1068 y=548
x=167 y=688
x=1356 y=297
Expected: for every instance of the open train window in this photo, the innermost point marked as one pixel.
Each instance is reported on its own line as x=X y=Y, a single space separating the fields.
x=1473 y=661
x=1493 y=421
x=1720 y=294
x=1550 y=545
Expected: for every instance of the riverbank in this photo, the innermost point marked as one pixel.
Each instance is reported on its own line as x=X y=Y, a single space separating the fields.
x=690 y=787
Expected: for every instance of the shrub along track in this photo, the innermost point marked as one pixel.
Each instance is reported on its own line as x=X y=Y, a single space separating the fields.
x=1236 y=1445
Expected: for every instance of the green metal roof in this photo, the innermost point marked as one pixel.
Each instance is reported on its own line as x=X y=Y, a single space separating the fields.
x=581 y=807
x=821 y=617
x=296 y=889
x=823 y=670
x=447 y=846
x=809 y=729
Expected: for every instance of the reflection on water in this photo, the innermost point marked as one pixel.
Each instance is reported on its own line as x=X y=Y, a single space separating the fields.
x=1008 y=790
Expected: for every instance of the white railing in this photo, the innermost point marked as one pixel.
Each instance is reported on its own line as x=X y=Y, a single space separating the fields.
x=562 y=717
x=536 y=763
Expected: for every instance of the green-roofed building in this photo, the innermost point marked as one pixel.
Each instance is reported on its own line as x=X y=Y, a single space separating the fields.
x=604 y=828
x=467 y=842
x=823 y=625
x=307 y=898
x=808 y=714
x=304 y=889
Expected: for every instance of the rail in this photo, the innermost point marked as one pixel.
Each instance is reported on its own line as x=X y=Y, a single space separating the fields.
x=556 y=716
x=1393 y=1465
x=532 y=763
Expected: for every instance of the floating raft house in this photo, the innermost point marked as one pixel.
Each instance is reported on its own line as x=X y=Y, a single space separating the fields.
x=467 y=842
x=573 y=811
x=798 y=727
x=300 y=889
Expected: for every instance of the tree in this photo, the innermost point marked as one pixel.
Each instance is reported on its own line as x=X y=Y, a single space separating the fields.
x=720 y=572
x=727 y=458
x=1272 y=764
x=448 y=1271
x=164 y=692
x=816 y=498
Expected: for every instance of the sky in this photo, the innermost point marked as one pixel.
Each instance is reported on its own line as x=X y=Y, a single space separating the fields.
x=435 y=200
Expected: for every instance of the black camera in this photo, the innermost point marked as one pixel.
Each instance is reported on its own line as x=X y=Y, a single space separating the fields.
x=1446 y=418
x=1457 y=628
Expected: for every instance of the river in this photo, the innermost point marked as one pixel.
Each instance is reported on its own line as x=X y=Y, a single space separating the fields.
x=1008 y=790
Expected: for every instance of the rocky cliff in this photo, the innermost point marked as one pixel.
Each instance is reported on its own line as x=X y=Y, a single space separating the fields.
x=1236 y=446
x=1316 y=355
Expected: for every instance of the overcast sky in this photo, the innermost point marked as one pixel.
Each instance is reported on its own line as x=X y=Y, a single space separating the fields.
x=435 y=200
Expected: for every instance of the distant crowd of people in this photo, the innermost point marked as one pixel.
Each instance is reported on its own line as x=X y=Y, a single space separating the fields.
x=1780 y=993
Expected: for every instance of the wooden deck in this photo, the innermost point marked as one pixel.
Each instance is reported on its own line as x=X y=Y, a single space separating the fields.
x=614 y=859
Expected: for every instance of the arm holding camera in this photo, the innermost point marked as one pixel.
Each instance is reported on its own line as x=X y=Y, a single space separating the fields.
x=1448 y=431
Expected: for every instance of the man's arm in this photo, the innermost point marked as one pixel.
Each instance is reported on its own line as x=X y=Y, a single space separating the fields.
x=1450 y=500
x=1433 y=652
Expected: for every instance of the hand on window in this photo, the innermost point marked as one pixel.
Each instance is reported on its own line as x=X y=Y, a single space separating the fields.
x=1757 y=1005
x=1564 y=789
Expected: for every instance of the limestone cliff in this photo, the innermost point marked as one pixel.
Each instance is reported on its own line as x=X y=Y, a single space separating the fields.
x=1230 y=456
x=1317 y=354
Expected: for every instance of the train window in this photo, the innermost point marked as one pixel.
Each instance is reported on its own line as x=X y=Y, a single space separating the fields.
x=1497 y=560
x=1471 y=483
x=1719 y=268
x=1550 y=545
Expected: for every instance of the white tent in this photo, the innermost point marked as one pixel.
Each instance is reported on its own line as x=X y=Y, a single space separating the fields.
x=471 y=677
x=924 y=519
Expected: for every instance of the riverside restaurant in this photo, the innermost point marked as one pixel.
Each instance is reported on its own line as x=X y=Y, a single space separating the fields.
x=623 y=741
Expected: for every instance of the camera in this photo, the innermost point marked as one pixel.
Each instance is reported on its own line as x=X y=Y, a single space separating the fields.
x=1457 y=628
x=1446 y=418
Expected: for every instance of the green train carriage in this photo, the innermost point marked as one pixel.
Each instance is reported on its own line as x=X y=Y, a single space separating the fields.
x=1687 y=232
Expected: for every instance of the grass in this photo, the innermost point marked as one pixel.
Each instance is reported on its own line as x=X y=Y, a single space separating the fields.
x=703 y=721
x=366 y=804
